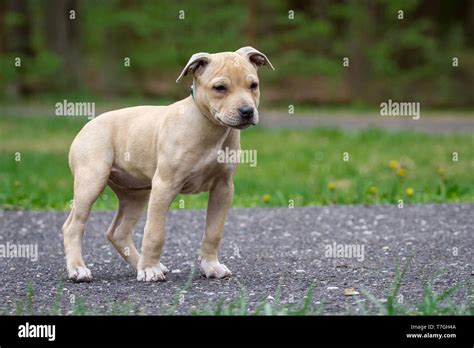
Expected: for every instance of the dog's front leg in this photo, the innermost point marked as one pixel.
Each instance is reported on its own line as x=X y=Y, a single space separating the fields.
x=149 y=267
x=220 y=200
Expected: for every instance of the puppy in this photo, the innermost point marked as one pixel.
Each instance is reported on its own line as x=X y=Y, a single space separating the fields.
x=149 y=154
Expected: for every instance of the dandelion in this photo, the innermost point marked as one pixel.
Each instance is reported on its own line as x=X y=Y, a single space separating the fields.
x=332 y=186
x=373 y=190
x=266 y=198
x=409 y=191
x=401 y=172
x=393 y=164
x=442 y=173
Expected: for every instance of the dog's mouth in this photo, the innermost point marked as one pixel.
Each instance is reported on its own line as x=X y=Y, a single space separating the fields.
x=240 y=126
x=244 y=125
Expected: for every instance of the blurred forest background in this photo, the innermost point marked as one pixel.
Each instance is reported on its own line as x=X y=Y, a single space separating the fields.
x=406 y=59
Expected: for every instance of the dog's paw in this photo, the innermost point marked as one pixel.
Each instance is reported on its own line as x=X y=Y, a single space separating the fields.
x=152 y=274
x=80 y=274
x=163 y=268
x=214 y=269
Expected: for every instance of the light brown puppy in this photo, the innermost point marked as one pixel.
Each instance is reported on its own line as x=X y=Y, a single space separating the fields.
x=149 y=154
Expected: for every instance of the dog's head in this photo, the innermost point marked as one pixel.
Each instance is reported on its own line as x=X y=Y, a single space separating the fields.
x=226 y=85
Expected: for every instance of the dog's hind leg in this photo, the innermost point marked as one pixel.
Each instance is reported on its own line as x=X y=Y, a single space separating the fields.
x=89 y=182
x=120 y=232
x=68 y=220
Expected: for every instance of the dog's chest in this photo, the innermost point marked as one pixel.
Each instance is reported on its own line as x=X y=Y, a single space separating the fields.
x=206 y=170
x=202 y=173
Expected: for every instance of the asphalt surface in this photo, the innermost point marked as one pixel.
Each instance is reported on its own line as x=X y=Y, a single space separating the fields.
x=429 y=122
x=265 y=249
x=440 y=124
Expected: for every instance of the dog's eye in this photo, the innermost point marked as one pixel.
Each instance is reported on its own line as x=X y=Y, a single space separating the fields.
x=220 y=88
x=254 y=85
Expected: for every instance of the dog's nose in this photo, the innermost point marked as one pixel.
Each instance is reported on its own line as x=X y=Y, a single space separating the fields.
x=246 y=111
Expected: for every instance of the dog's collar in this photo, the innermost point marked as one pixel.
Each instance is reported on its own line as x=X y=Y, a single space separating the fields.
x=193 y=90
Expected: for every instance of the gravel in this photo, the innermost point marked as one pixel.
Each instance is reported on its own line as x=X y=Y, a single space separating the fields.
x=266 y=249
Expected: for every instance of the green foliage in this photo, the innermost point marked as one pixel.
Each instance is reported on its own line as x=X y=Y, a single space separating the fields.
x=398 y=58
x=432 y=302
x=44 y=66
x=8 y=70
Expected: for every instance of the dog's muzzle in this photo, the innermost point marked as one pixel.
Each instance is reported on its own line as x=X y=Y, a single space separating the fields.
x=244 y=117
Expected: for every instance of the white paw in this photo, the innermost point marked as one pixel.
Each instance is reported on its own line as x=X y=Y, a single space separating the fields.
x=163 y=268
x=80 y=274
x=214 y=269
x=152 y=274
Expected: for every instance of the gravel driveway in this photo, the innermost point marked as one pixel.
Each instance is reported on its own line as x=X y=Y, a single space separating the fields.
x=265 y=248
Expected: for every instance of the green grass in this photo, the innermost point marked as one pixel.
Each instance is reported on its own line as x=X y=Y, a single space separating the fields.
x=431 y=303
x=301 y=166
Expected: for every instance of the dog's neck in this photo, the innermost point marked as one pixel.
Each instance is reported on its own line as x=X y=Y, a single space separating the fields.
x=215 y=131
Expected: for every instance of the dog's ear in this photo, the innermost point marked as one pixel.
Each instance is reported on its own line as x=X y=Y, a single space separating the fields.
x=197 y=62
x=255 y=57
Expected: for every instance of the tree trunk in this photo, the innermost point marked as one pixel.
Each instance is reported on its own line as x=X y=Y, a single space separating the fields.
x=63 y=38
x=19 y=44
x=252 y=20
x=359 y=28
x=3 y=27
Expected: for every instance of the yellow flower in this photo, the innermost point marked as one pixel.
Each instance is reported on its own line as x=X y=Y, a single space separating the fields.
x=266 y=198
x=442 y=172
x=373 y=190
x=331 y=186
x=401 y=172
x=393 y=164
x=409 y=191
